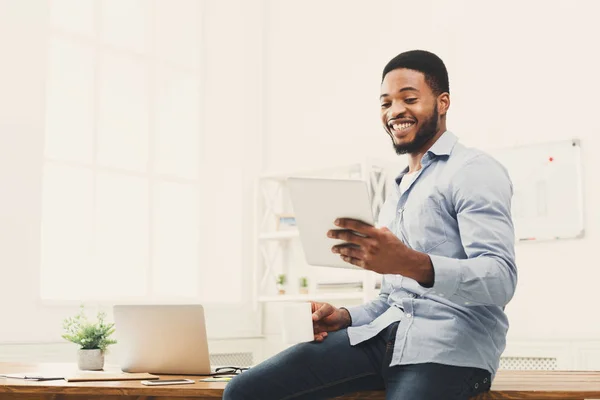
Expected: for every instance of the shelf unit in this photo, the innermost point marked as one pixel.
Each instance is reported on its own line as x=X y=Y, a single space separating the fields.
x=280 y=251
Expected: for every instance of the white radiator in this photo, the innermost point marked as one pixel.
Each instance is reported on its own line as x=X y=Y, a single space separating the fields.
x=529 y=363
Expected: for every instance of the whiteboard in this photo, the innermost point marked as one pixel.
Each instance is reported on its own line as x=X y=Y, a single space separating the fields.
x=547 y=201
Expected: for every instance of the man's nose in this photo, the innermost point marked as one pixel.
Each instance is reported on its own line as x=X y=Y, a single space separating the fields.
x=396 y=110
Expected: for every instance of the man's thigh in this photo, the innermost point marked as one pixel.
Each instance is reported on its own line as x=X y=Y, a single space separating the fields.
x=313 y=371
x=435 y=382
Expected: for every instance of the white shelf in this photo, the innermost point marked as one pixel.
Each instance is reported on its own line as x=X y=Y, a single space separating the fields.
x=280 y=235
x=278 y=251
x=312 y=296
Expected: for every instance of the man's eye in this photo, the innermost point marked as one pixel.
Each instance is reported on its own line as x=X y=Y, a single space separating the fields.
x=411 y=100
x=385 y=105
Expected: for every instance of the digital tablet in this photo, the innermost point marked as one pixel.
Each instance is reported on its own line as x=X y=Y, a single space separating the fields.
x=317 y=203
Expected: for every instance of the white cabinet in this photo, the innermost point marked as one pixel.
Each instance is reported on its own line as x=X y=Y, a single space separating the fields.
x=279 y=251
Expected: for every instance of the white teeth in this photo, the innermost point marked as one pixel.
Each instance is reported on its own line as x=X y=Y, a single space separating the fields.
x=402 y=126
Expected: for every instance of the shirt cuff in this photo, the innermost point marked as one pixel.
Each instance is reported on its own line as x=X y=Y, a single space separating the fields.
x=446 y=276
x=359 y=315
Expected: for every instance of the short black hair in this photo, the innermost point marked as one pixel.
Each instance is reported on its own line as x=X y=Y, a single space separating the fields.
x=423 y=61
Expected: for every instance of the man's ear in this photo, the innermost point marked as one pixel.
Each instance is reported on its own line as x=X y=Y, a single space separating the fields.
x=443 y=103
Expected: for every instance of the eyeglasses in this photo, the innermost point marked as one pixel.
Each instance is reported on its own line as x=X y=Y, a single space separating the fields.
x=229 y=370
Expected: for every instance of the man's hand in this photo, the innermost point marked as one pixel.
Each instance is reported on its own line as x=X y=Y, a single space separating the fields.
x=327 y=318
x=379 y=250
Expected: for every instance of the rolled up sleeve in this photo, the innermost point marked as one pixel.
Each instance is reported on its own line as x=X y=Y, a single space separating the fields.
x=366 y=313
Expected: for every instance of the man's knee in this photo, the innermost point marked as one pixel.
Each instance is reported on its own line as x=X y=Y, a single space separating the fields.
x=237 y=389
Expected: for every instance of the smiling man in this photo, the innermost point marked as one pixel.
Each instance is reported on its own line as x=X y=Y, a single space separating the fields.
x=445 y=250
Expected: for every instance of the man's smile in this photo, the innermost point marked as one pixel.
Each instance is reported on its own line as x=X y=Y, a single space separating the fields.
x=400 y=128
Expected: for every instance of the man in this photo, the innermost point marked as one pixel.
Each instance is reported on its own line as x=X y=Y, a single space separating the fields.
x=446 y=254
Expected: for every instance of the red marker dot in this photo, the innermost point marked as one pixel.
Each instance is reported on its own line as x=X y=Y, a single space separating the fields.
x=551 y=159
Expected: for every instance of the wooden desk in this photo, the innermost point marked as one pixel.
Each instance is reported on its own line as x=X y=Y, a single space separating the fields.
x=508 y=385
x=19 y=389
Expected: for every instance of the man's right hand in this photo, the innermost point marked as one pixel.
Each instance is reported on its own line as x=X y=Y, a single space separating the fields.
x=327 y=318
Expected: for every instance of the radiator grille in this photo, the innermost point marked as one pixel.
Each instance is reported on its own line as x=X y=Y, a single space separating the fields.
x=528 y=363
x=231 y=360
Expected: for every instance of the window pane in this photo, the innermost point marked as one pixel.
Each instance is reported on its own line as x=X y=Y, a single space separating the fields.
x=76 y=16
x=69 y=102
x=124 y=23
x=66 y=260
x=123 y=114
x=121 y=236
x=176 y=228
x=222 y=237
x=178 y=31
x=177 y=124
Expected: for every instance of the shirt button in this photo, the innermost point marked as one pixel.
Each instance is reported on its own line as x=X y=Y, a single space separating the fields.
x=441 y=294
x=408 y=315
x=467 y=303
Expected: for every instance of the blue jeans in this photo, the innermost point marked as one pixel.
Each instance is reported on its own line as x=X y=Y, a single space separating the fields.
x=334 y=367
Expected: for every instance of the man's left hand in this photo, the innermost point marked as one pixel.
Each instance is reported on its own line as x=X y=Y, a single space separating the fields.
x=379 y=250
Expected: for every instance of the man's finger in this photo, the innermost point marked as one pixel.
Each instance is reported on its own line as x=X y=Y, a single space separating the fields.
x=348 y=236
x=357 y=226
x=314 y=306
x=354 y=261
x=318 y=328
x=350 y=251
x=320 y=337
x=323 y=311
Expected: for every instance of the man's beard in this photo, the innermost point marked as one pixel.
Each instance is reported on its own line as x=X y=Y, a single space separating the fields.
x=423 y=135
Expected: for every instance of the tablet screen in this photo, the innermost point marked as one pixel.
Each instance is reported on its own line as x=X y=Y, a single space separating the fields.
x=317 y=203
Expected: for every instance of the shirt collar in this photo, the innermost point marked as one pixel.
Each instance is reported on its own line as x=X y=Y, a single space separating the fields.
x=442 y=147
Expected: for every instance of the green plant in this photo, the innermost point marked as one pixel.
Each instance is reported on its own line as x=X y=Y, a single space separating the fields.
x=281 y=279
x=303 y=282
x=87 y=334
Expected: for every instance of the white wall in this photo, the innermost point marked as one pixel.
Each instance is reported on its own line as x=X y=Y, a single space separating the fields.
x=520 y=72
x=22 y=50
x=232 y=75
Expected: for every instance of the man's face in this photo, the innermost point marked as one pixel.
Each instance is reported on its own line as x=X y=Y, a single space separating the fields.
x=409 y=111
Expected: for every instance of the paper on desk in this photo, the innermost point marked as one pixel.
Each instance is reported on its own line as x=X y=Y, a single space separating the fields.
x=33 y=376
x=217 y=379
x=109 y=376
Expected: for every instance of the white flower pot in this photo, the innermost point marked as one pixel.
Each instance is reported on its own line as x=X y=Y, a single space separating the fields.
x=90 y=360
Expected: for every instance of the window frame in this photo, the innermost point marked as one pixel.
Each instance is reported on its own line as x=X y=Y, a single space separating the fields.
x=244 y=319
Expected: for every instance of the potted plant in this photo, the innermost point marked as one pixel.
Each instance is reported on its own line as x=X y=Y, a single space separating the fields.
x=281 y=280
x=304 y=285
x=92 y=337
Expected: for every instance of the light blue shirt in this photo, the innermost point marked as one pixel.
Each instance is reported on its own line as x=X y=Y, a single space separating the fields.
x=457 y=210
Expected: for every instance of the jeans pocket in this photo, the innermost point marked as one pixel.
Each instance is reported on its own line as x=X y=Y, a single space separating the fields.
x=391 y=333
x=478 y=382
x=390 y=341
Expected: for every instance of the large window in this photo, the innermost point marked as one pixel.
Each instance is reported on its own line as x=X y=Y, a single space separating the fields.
x=132 y=208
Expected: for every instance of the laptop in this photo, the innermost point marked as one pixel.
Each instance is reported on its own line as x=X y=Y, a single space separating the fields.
x=162 y=339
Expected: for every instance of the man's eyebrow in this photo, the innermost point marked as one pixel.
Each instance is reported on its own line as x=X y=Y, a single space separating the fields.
x=404 y=89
